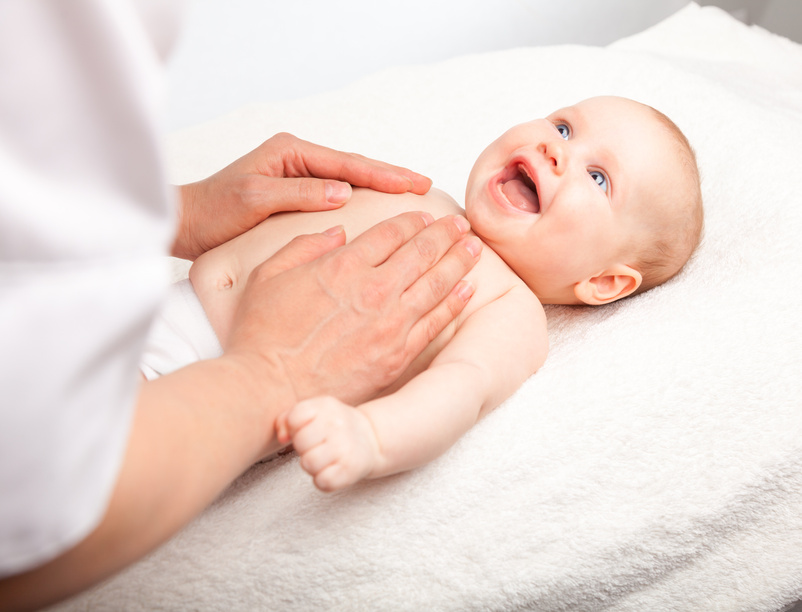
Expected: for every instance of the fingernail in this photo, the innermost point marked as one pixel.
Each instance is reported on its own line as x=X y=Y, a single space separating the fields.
x=474 y=246
x=462 y=223
x=337 y=192
x=427 y=218
x=465 y=290
x=334 y=231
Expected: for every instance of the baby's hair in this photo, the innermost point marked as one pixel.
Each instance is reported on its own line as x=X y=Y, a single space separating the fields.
x=668 y=247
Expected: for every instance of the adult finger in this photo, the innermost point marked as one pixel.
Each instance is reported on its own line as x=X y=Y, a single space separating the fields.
x=358 y=170
x=420 y=183
x=421 y=252
x=433 y=286
x=302 y=249
x=429 y=326
x=271 y=194
x=382 y=176
x=379 y=242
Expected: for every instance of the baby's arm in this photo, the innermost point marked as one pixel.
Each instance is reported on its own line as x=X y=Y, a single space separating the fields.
x=492 y=353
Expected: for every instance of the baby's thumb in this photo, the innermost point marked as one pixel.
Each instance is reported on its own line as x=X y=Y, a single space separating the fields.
x=282 y=428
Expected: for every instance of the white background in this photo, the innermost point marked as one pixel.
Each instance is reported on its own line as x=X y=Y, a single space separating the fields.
x=235 y=52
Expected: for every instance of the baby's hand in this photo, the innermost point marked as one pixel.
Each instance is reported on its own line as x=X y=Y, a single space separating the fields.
x=336 y=442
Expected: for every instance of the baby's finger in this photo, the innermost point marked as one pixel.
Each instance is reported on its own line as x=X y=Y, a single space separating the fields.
x=333 y=478
x=282 y=429
x=301 y=415
x=318 y=458
x=310 y=435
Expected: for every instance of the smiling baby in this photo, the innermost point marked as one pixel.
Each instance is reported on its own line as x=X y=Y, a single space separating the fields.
x=598 y=201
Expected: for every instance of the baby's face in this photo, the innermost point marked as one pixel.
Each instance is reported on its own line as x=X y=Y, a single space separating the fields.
x=560 y=198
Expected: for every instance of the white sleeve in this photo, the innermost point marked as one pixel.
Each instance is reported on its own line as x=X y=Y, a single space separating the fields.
x=85 y=221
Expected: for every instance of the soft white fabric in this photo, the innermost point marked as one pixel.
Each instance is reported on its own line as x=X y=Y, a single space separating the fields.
x=85 y=220
x=180 y=335
x=654 y=463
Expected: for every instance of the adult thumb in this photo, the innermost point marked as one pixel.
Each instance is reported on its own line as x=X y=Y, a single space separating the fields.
x=303 y=249
x=306 y=194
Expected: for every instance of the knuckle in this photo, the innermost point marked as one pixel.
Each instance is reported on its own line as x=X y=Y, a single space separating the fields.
x=395 y=365
x=335 y=420
x=447 y=228
x=392 y=361
x=438 y=286
x=393 y=232
x=301 y=240
x=374 y=295
x=296 y=417
x=427 y=249
x=342 y=267
x=282 y=138
x=432 y=328
x=250 y=190
x=261 y=273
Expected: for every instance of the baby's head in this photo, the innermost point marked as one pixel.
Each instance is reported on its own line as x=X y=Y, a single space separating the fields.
x=596 y=202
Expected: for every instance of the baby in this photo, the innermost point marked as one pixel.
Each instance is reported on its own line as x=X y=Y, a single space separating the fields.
x=598 y=201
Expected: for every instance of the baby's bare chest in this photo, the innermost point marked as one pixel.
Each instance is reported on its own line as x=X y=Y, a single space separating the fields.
x=220 y=274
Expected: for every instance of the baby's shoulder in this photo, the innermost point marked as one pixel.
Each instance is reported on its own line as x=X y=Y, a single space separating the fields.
x=440 y=204
x=495 y=280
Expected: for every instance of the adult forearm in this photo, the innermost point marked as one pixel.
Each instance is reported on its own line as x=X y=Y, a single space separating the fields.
x=194 y=432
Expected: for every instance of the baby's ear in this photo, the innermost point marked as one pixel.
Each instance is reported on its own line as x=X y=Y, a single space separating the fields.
x=613 y=284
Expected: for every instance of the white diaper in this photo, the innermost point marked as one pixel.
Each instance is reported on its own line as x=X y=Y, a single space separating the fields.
x=180 y=335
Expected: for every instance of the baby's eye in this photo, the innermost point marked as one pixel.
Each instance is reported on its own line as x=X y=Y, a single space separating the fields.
x=600 y=178
x=564 y=130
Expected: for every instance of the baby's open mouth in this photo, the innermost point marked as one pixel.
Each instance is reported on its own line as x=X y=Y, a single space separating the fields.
x=520 y=190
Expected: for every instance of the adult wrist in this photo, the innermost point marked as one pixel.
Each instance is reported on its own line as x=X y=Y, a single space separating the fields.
x=262 y=385
x=183 y=246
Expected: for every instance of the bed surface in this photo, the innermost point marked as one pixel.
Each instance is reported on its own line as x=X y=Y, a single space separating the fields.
x=655 y=461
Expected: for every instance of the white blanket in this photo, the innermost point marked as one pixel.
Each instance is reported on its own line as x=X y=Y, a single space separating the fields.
x=655 y=461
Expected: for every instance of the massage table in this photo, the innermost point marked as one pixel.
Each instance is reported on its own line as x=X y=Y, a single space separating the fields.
x=655 y=460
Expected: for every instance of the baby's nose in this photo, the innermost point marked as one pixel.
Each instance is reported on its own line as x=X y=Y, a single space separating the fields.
x=556 y=154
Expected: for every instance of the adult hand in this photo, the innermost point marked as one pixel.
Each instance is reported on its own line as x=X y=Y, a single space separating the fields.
x=284 y=173
x=350 y=321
